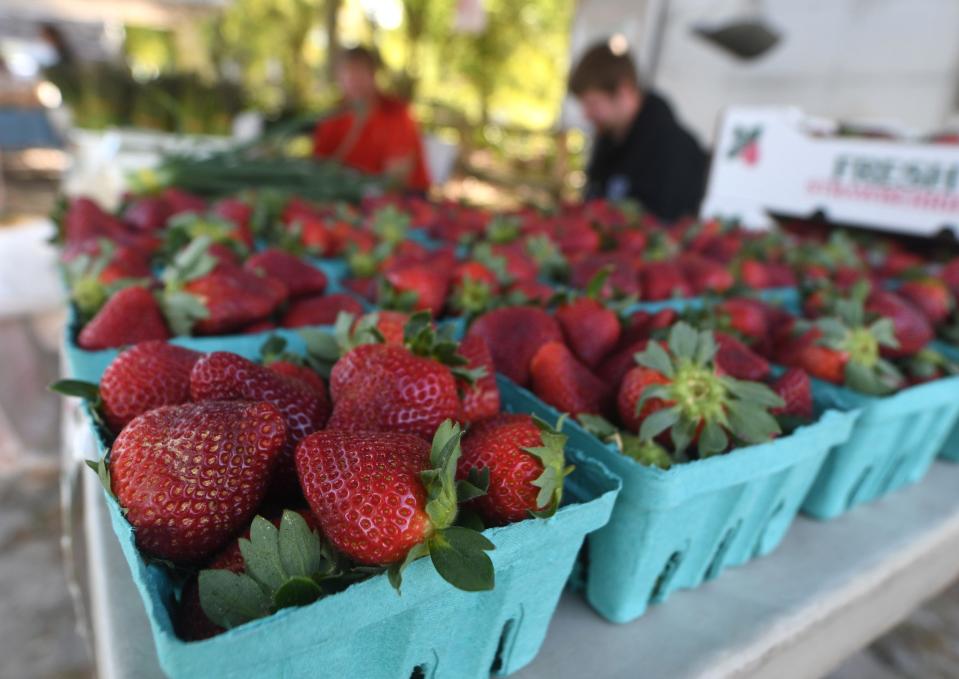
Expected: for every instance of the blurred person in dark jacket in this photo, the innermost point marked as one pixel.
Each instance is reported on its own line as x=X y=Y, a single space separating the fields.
x=641 y=152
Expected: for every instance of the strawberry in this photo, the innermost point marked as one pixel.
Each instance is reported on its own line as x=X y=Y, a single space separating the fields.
x=222 y=376
x=132 y=315
x=388 y=498
x=623 y=279
x=513 y=335
x=950 y=275
x=84 y=220
x=232 y=300
x=300 y=372
x=696 y=403
x=97 y=269
x=735 y=359
x=215 y=461
x=823 y=363
x=912 y=330
x=634 y=383
x=663 y=280
x=931 y=296
x=530 y=292
x=384 y=387
x=240 y=214
x=319 y=310
x=474 y=271
x=526 y=466
x=257 y=327
x=705 y=275
x=147 y=213
x=182 y=202
x=390 y=325
x=795 y=389
x=748 y=317
x=563 y=382
x=480 y=399
x=233 y=587
x=418 y=287
x=145 y=376
x=299 y=277
x=590 y=329
x=614 y=368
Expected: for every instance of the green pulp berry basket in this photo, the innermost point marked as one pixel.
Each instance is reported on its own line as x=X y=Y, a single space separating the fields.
x=431 y=630
x=950 y=449
x=892 y=444
x=674 y=529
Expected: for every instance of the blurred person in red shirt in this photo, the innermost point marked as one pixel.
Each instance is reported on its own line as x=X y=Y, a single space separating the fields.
x=372 y=131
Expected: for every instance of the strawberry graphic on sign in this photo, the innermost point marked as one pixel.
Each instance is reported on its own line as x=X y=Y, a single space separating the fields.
x=746 y=145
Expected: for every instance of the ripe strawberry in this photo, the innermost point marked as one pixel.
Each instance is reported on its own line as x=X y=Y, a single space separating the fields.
x=614 y=368
x=475 y=271
x=931 y=296
x=664 y=280
x=631 y=390
x=390 y=325
x=526 y=467
x=424 y=285
x=795 y=389
x=271 y=536
x=735 y=359
x=384 y=387
x=754 y=274
x=181 y=202
x=145 y=376
x=480 y=399
x=748 y=317
x=591 y=330
x=622 y=280
x=387 y=498
x=233 y=300
x=530 y=292
x=217 y=458
x=132 y=315
x=565 y=383
x=822 y=362
x=240 y=214
x=912 y=330
x=84 y=220
x=319 y=310
x=147 y=213
x=705 y=275
x=222 y=376
x=696 y=404
x=299 y=277
x=300 y=372
x=513 y=335
x=257 y=328
x=950 y=274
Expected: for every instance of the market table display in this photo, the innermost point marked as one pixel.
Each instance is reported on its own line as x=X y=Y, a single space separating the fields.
x=391 y=356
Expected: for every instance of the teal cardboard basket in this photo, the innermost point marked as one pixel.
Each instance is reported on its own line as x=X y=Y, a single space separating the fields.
x=950 y=450
x=785 y=297
x=892 y=444
x=674 y=529
x=432 y=630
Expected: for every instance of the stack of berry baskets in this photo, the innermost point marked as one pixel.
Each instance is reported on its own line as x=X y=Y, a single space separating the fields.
x=716 y=456
x=287 y=512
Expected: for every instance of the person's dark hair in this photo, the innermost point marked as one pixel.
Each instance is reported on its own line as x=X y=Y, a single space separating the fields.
x=600 y=68
x=359 y=55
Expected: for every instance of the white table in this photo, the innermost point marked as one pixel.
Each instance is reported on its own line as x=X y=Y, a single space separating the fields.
x=829 y=590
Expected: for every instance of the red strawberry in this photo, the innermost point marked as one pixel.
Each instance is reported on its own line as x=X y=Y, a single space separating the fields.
x=147 y=213
x=822 y=362
x=391 y=325
x=631 y=390
x=480 y=399
x=735 y=359
x=240 y=213
x=319 y=310
x=364 y=287
x=222 y=376
x=622 y=277
x=745 y=316
x=705 y=275
x=341 y=473
x=520 y=457
x=217 y=458
x=145 y=376
x=181 y=201
x=931 y=296
x=754 y=274
x=533 y=292
x=425 y=284
x=384 y=387
x=233 y=300
x=664 y=280
x=565 y=383
x=380 y=495
x=795 y=389
x=591 y=330
x=950 y=274
x=912 y=330
x=475 y=271
x=299 y=277
x=257 y=327
x=85 y=220
x=612 y=370
x=132 y=315
x=300 y=372
x=513 y=335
